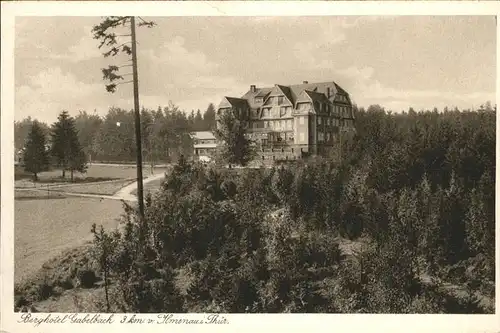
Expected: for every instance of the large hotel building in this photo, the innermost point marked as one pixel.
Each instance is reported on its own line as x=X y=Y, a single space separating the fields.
x=291 y=122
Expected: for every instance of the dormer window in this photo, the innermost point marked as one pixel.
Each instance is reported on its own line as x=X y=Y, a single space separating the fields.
x=259 y=99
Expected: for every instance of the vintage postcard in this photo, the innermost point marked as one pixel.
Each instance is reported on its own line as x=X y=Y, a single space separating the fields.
x=243 y=166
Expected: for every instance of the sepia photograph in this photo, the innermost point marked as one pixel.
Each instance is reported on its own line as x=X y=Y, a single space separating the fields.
x=320 y=164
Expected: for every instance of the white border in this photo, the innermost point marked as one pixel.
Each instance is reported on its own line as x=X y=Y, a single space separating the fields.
x=238 y=323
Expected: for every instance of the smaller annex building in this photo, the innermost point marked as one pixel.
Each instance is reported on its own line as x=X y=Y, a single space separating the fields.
x=204 y=145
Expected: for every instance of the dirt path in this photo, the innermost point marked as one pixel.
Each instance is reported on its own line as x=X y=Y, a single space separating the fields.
x=125 y=193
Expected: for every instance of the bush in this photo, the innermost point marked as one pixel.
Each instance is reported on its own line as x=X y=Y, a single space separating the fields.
x=86 y=278
x=41 y=291
x=218 y=227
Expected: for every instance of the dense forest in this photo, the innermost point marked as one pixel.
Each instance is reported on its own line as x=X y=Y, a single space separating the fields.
x=111 y=138
x=404 y=224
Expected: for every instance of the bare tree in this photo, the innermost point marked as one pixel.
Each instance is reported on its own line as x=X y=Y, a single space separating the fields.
x=106 y=33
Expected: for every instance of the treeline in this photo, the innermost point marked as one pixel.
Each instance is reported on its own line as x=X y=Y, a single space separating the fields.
x=415 y=191
x=111 y=138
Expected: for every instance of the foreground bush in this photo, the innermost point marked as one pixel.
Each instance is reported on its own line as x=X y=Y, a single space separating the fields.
x=268 y=240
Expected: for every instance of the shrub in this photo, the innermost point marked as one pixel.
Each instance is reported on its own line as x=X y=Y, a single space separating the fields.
x=86 y=278
x=41 y=291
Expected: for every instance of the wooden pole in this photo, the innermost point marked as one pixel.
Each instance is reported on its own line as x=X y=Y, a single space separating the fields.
x=138 y=139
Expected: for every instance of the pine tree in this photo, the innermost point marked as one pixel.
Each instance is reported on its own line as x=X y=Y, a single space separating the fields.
x=235 y=147
x=198 y=121
x=36 y=157
x=209 y=117
x=66 y=148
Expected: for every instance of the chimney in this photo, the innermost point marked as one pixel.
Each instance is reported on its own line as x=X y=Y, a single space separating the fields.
x=252 y=88
x=305 y=82
x=328 y=92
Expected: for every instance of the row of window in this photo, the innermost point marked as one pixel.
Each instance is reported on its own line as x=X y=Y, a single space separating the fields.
x=203 y=151
x=266 y=112
x=273 y=100
x=279 y=100
x=329 y=121
x=198 y=142
x=285 y=124
x=325 y=137
x=280 y=137
x=341 y=98
x=325 y=108
x=341 y=110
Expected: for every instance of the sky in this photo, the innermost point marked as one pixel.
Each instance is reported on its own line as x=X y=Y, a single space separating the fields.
x=395 y=61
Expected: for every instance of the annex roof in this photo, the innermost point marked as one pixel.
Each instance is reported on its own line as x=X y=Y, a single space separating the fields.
x=203 y=135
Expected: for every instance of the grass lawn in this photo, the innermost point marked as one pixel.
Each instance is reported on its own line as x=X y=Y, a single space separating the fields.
x=44 y=227
x=94 y=173
x=107 y=188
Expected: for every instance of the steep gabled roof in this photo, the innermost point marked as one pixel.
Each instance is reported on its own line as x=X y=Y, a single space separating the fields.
x=303 y=97
x=315 y=92
x=203 y=135
x=279 y=90
x=321 y=87
x=263 y=92
x=286 y=91
x=233 y=102
x=317 y=97
x=259 y=92
x=237 y=102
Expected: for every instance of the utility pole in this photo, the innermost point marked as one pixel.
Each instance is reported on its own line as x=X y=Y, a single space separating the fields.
x=138 y=138
x=103 y=33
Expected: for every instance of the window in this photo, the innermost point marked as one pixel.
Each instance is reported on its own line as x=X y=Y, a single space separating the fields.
x=301 y=136
x=319 y=120
x=320 y=136
x=280 y=100
x=290 y=125
x=283 y=125
x=266 y=124
x=282 y=111
x=301 y=120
